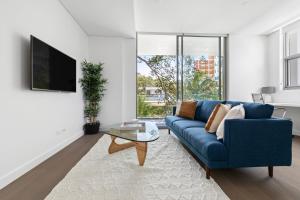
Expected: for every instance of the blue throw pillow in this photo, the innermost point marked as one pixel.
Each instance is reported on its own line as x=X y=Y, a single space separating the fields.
x=206 y=109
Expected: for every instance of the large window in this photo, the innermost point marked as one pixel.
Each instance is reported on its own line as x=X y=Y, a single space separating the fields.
x=200 y=70
x=291 y=35
x=176 y=67
x=156 y=75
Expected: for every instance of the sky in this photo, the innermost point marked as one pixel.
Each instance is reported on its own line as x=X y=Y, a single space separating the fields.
x=143 y=69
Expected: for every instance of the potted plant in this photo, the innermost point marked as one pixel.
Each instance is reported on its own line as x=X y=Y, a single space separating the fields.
x=93 y=86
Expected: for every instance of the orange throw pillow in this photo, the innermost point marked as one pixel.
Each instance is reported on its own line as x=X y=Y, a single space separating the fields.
x=188 y=109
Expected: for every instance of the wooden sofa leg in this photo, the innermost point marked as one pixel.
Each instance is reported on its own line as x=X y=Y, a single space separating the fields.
x=270 y=169
x=207 y=172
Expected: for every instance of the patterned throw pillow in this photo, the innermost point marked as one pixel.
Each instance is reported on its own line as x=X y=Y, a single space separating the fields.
x=216 y=117
x=187 y=109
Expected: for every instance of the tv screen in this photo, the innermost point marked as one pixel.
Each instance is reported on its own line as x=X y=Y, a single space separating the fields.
x=50 y=68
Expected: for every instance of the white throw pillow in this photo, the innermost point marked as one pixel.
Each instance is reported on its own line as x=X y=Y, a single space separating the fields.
x=237 y=112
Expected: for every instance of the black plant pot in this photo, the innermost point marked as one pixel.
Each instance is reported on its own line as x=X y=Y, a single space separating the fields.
x=91 y=128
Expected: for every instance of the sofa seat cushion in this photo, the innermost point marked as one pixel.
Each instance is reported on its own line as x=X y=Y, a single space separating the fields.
x=205 y=143
x=180 y=125
x=206 y=109
x=170 y=119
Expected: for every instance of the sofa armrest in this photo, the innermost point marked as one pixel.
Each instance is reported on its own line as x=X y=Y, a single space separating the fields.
x=258 y=142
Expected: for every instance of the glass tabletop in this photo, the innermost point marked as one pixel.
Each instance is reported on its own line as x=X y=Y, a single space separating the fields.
x=149 y=134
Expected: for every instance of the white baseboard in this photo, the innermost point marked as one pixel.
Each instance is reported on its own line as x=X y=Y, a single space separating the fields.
x=21 y=170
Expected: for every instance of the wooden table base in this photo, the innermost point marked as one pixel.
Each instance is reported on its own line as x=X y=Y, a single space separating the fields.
x=141 y=148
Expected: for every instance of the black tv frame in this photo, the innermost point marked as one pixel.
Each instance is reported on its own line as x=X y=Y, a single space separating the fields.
x=31 y=68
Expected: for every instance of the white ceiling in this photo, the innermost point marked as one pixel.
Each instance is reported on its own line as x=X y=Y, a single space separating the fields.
x=122 y=18
x=198 y=16
x=280 y=15
x=103 y=17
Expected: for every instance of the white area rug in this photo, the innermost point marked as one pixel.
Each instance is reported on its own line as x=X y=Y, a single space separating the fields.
x=169 y=173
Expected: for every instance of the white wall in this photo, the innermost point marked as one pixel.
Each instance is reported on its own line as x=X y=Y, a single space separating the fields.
x=246 y=69
x=275 y=78
x=129 y=79
x=274 y=65
x=118 y=56
x=35 y=124
x=275 y=71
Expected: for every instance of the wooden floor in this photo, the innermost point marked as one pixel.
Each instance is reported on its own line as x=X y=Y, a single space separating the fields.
x=239 y=184
x=38 y=183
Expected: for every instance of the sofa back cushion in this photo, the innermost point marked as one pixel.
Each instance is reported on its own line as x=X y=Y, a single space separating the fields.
x=234 y=103
x=198 y=110
x=204 y=111
x=254 y=110
x=258 y=111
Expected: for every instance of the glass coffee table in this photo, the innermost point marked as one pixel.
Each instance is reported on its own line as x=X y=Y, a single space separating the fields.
x=138 y=138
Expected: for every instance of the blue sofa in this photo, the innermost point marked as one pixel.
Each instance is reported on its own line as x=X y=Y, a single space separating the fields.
x=258 y=140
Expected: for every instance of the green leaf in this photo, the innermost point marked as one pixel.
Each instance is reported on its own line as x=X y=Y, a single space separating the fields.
x=93 y=86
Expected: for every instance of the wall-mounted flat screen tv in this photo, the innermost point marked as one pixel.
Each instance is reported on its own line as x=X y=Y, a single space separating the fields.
x=51 y=69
